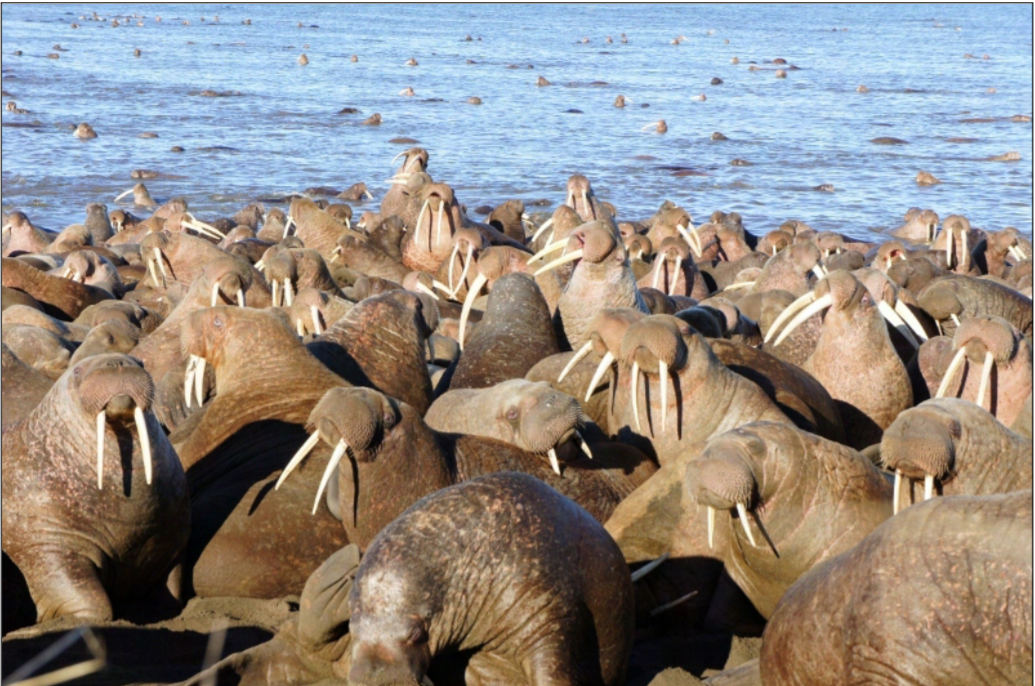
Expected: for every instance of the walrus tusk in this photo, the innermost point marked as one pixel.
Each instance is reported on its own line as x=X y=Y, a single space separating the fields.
x=816 y=306
x=472 y=293
x=539 y=231
x=739 y=285
x=552 y=247
x=287 y=225
x=420 y=218
x=897 y=491
x=818 y=271
x=711 y=526
x=188 y=379
x=452 y=261
x=123 y=194
x=957 y=360
x=553 y=461
x=215 y=294
x=406 y=154
x=348 y=224
x=339 y=450
x=965 y=255
x=6 y=228
x=955 y=319
x=986 y=374
x=669 y=605
x=100 y=450
x=648 y=568
x=424 y=289
x=691 y=237
x=950 y=243
x=438 y=228
x=240 y=297
x=564 y=259
x=909 y=318
x=663 y=378
x=652 y=124
x=261 y=266
x=635 y=387
x=369 y=195
x=888 y=313
x=441 y=286
x=582 y=352
x=395 y=182
x=276 y=293
x=657 y=272
x=787 y=313
x=742 y=511
x=161 y=266
x=589 y=206
x=202 y=227
x=583 y=445
x=928 y=486
x=145 y=442
x=467 y=265
x=605 y=363
x=774 y=251
x=300 y=328
x=289 y=294
x=199 y=381
x=675 y=278
x=314 y=312
x=306 y=448
x=1016 y=253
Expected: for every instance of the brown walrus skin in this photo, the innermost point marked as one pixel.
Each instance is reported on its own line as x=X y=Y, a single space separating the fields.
x=536 y=554
x=939 y=594
x=85 y=550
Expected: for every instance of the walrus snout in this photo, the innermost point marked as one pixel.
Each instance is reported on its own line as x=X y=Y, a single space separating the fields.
x=654 y=341
x=115 y=384
x=398 y=652
x=722 y=479
x=987 y=335
x=920 y=443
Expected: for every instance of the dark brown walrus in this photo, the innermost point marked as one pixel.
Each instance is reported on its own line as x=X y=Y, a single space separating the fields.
x=503 y=567
x=61 y=298
x=95 y=509
x=937 y=595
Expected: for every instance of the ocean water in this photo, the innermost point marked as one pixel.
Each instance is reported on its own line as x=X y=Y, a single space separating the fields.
x=282 y=134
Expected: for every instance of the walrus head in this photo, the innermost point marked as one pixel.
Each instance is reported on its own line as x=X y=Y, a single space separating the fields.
x=984 y=340
x=637 y=245
x=439 y=216
x=921 y=444
x=114 y=389
x=727 y=476
x=888 y=254
x=534 y=417
x=672 y=254
x=580 y=197
x=604 y=332
x=110 y=336
x=775 y=241
x=942 y=300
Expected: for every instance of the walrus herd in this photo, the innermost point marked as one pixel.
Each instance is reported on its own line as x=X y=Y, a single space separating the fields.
x=557 y=448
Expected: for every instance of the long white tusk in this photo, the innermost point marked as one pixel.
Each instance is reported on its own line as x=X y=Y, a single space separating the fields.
x=648 y=568
x=1020 y=251
x=440 y=286
x=203 y=228
x=287 y=225
x=289 y=293
x=151 y=269
x=276 y=293
x=452 y=261
x=583 y=445
x=161 y=266
x=692 y=239
x=369 y=195
x=965 y=255
x=585 y=201
x=424 y=289
x=1016 y=253
x=742 y=511
x=145 y=442
x=539 y=231
x=605 y=363
x=438 y=229
x=260 y=265
x=339 y=450
x=472 y=293
x=564 y=259
x=552 y=247
x=818 y=271
x=100 y=449
x=215 y=294
x=663 y=379
x=739 y=285
x=395 y=182
x=188 y=379
x=909 y=318
x=553 y=461
x=986 y=374
x=653 y=124
x=657 y=271
x=955 y=319
x=711 y=526
x=306 y=448
x=888 y=313
x=816 y=306
x=957 y=360
x=928 y=486
x=314 y=312
x=950 y=243
x=123 y=194
x=897 y=491
x=675 y=278
x=787 y=313
x=467 y=265
x=199 y=381
x=671 y=604
x=420 y=218
x=635 y=387
x=240 y=297
x=582 y=352
x=300 y=328
x=406 y=153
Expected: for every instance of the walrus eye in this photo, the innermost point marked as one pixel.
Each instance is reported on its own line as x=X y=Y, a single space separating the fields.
x=512 y=415
x=217 y=322
x=417 y=635
x=388 y=419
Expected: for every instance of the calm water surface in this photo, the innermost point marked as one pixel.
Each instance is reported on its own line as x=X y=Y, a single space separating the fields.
x=282 y=134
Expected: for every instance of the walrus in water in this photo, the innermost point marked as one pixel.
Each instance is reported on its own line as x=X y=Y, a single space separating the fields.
x=541 y=617
x=853 y=619
x=95 y=501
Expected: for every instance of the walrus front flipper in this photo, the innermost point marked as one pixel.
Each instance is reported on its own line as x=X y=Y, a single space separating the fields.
x=69 y=586
x=324 y=613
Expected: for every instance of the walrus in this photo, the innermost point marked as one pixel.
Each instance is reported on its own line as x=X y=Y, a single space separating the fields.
x=576 y=627
x=955 y=448
x=21 y=235
x=951 y=299
x=92 y=269
x=95 y=503
x=998 y=251
x=84 y=131
x=854 y=618
x=61 y=298
x=674 y=271
x=23 y=388
x=764 y=472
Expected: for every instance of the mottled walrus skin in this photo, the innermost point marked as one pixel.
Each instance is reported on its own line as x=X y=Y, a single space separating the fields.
x=965 y=449
x=23 y=388
x=806 y=500
x=938 y=595
x=966 y=297
x=84 y=549
x=501 y=566
x=61 y=298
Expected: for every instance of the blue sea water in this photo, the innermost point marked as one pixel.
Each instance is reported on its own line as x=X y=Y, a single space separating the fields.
x=282 y=134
